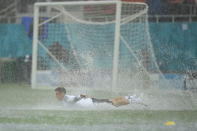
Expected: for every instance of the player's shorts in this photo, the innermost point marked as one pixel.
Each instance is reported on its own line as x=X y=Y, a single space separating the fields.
x=85 y=102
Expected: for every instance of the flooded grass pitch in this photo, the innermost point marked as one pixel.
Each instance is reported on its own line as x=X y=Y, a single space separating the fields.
x=22 y=108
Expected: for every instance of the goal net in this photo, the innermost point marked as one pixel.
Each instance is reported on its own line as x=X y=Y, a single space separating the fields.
x=94 y=44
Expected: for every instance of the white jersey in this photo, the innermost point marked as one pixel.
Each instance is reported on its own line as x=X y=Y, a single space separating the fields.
x=77 y=100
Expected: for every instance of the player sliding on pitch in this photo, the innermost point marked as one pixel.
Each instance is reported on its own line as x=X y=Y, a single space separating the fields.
x=83 y=100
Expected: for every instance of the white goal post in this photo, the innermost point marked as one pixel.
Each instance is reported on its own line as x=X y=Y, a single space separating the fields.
x=99 y=44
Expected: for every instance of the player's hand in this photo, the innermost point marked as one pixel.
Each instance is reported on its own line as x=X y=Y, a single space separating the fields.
x=83 y=96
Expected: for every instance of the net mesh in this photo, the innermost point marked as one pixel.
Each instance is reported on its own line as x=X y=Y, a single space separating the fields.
x=76 y=46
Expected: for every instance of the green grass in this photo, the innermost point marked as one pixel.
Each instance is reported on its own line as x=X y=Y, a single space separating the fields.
x=96 y=117
x=18 y=102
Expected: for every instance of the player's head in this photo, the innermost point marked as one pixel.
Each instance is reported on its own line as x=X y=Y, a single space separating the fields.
x=60 y=93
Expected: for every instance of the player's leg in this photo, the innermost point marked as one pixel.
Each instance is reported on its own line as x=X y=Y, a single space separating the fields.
x=95 y=100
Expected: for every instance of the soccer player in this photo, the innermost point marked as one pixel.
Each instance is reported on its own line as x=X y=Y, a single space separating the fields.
x=83 y=100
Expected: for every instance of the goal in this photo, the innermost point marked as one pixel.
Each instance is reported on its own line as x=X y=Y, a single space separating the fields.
x=92 y=44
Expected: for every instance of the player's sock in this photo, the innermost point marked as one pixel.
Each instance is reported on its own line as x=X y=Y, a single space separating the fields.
x=133 y=99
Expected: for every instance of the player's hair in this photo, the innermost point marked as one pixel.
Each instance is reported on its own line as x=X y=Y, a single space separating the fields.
x=61 y=89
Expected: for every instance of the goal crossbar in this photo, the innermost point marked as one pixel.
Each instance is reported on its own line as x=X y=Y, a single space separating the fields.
x=75 y=3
